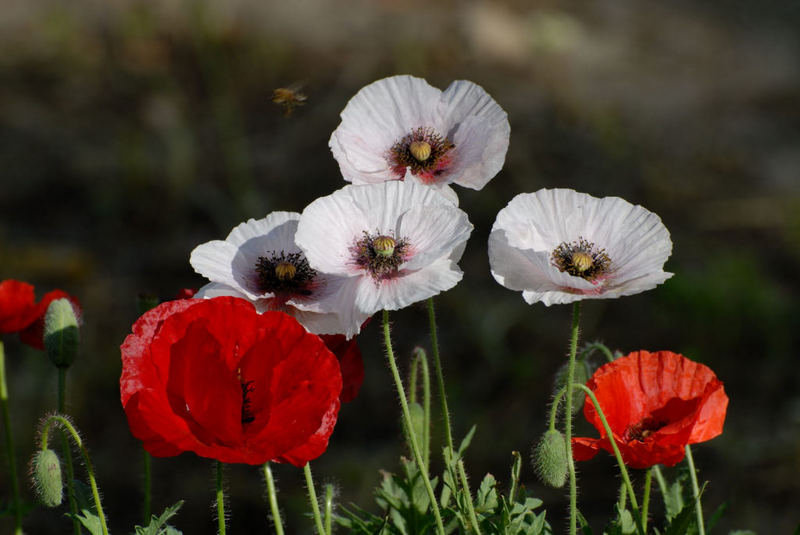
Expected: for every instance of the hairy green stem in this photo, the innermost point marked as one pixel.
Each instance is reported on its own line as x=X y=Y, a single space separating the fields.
x=67 y=453
x=573 y=484
x=603 y=349
x=623 y=470
x=328 y=508
x=662 y=483
x=221 y=520
x=409 y=428
x=698 y=507
x=473 y=518
x=272 y=495
x=312 y=497
x=648 y=483
x=65 y=424
x=12 y=462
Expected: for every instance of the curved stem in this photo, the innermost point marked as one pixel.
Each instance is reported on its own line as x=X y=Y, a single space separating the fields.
x=409 y=428
x=473 y=518
x=420 y=360
x=273 y=499
x=554 y=407
x=220 y=501
x=67 y=425
x=623 y=470
x=603 y=349
x=67 y=453
x=12 y=462
x=573 y=484
x=698 y=507
x=312 y=497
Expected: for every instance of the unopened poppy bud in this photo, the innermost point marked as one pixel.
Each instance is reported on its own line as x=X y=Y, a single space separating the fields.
x=549 y=458
x=46 y=472
x=61 y=335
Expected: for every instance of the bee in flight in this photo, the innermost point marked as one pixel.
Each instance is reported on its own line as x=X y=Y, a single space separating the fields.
x=289 y=97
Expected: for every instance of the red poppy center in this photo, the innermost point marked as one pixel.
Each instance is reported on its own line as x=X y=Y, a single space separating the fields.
x=641 y=430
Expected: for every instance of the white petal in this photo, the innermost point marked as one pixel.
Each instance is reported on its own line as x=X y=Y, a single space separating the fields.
x=433 y=232
x=214 y=261
x=277 y=227
x=479 y=128
x=407 y=288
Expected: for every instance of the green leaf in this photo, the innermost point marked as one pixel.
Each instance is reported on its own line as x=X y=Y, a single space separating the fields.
x=487 y=494
x=465 y=443
x=158 y=526
x=585 y=528
x=715 y=516
x=673 y=500
x=682 y=521
x=89 y=520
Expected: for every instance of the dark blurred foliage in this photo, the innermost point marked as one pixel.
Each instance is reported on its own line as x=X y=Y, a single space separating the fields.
x=130 y=132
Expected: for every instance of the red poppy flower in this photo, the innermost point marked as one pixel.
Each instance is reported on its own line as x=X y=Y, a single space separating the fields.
x=214 y=377
x=19 y=311
x=655 y=404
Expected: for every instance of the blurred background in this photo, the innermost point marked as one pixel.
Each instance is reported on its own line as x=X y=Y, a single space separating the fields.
x=132 y=131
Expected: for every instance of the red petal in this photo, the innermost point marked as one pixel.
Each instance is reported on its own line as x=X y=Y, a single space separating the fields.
x=17 y=305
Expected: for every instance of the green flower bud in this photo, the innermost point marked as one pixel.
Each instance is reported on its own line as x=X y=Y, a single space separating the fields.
x=61 y=335
x=549 y=458
x=46 y=472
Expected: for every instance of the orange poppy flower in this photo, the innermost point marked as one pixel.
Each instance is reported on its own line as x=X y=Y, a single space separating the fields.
x=655 y=404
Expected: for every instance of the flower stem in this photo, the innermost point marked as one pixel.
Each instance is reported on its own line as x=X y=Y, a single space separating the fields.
x=12 y=463
x=312 y=497
x=598 y=346
x=220 y=501
x=623 y=470
x=696 y=490
x=409 y=428
x=273 y=499
x=462 y=473
x=573 y=485
x=328 y=509
x=648 y=482
x=65 y=424
x=67 y=453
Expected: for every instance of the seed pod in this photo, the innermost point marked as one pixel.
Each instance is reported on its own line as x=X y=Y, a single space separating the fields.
x=46 y=472
x=549 y=459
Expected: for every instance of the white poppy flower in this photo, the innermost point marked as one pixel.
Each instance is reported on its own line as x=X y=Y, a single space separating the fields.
x=396 y=243
x=402 y=128
x=259 y=261
x=559 y=246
